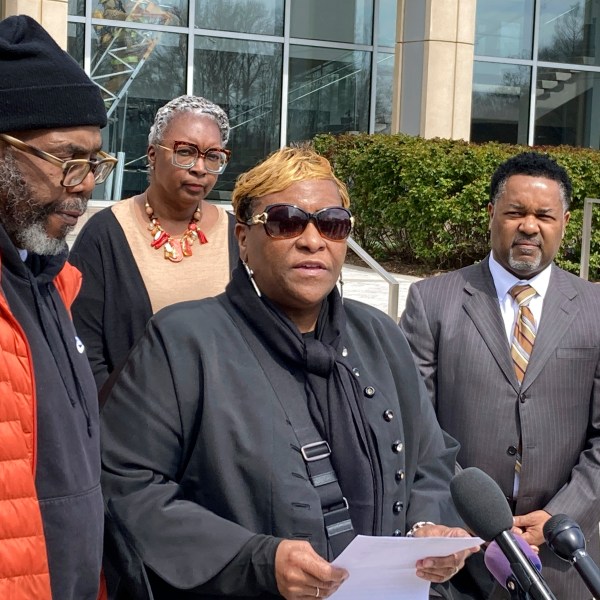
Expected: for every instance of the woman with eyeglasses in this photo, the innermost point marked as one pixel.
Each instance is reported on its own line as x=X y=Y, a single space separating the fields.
x=163 y=246
x=250 y=436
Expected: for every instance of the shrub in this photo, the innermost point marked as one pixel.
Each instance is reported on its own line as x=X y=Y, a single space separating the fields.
x=425 y=201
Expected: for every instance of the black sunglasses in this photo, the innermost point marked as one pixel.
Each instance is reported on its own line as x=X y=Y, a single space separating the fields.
x=283 y=221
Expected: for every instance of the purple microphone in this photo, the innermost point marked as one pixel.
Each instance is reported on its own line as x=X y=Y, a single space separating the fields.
x=499 y=566
x=484 y=509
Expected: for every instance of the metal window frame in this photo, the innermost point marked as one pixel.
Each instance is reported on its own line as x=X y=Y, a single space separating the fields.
x=535 y=65
x=191 y=32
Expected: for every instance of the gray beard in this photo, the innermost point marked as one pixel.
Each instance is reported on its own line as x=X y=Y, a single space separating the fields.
x=524 y=266
x=35 y=239
x=23 y=218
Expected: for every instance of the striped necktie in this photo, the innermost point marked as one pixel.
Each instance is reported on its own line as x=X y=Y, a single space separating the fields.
x=520 y=349
x=524 y=334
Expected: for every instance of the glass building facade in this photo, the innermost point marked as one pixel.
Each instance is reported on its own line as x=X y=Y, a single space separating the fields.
x=283 y=70
x=537 y=72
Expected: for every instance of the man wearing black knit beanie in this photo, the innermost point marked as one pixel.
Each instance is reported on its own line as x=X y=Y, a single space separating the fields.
x=51 y=511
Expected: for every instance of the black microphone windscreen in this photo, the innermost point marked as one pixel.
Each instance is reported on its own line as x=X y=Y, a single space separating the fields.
x=564 y=536
x=553 y=522
x=481 y=503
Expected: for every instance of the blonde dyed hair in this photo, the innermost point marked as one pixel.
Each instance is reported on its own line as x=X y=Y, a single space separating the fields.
x=278 y=172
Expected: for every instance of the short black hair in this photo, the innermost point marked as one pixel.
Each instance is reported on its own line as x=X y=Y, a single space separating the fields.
x=535 y=165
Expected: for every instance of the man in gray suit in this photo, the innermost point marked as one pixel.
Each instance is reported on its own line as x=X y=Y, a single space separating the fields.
x=526 y=411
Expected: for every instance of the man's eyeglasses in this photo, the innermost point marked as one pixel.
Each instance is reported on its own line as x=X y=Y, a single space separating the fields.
x=185 y=156
x=74 y=170
x=283 y=221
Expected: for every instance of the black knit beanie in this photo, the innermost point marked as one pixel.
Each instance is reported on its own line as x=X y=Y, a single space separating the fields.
x=41 y=86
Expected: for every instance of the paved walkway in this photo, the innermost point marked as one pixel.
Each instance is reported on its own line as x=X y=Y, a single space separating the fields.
x=364 y=284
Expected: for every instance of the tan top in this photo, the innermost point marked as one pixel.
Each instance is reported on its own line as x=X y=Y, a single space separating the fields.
x=202 y=275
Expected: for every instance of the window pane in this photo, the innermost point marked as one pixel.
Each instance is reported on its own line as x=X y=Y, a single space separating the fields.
x=569 y=31
x=385 y=83
x=244 y=78
x=567 y=108
x=75 y=41
x=500 y=103
x=504 y=29
x=139 y=71
x=246 y=16
x=77 y=8
x=329 y=91
x=167 y=12
x=348 y=21
x=387 y=22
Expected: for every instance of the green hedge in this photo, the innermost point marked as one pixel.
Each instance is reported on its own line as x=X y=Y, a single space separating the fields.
x=425 y=201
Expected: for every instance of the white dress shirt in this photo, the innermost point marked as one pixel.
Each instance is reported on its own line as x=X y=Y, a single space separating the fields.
x=504 y=281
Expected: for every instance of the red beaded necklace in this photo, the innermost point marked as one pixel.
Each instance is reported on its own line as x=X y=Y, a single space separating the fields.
x=175 y=249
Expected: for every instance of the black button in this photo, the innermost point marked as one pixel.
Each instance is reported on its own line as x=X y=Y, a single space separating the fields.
x=369 y=391
x=397 y=447
x=522 y=398
x=388 y=415
x=398 y=507
x=511 y=451
x=399 y=475
x=397 y=532
x=356 y=372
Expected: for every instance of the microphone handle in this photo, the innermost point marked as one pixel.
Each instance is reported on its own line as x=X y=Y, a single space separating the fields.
x=525 y=573
x=515 y=591
x=588 y=570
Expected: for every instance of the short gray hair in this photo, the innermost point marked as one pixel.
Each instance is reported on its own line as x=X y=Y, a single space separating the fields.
x=184 y=104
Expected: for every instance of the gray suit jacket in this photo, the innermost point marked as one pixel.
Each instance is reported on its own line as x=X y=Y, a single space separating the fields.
x=455 y=329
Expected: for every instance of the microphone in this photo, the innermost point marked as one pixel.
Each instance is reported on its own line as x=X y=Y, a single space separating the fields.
x=484 y=509
x=498 y=565
x=565 y=538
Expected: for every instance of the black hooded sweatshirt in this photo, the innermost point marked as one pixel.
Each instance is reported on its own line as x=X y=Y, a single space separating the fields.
x=68 y=443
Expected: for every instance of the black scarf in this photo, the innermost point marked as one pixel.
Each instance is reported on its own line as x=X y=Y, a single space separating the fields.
x=333 y=396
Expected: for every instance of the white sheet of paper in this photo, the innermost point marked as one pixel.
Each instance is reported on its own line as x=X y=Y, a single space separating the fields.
x=384 y=567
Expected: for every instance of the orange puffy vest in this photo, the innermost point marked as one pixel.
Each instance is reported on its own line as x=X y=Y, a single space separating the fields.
x=24 y=573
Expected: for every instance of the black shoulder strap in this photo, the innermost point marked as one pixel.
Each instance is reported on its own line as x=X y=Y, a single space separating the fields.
x=315 y=451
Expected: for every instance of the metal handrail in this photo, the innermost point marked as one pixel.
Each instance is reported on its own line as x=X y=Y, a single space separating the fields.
x=586 y=236
x=393 y=285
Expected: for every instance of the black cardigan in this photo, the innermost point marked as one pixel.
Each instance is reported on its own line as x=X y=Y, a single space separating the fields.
x=199 y=455
x=113 y=307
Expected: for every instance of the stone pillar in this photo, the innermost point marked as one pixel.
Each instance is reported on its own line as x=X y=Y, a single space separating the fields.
x=52 y=14
x=433 y=76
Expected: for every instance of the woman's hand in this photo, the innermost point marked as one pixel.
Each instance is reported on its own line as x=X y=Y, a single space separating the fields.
x=441 y=568
x=301 y=573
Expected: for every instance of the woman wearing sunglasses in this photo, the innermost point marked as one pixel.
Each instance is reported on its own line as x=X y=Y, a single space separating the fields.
x=276 y=421
x=160 y=247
